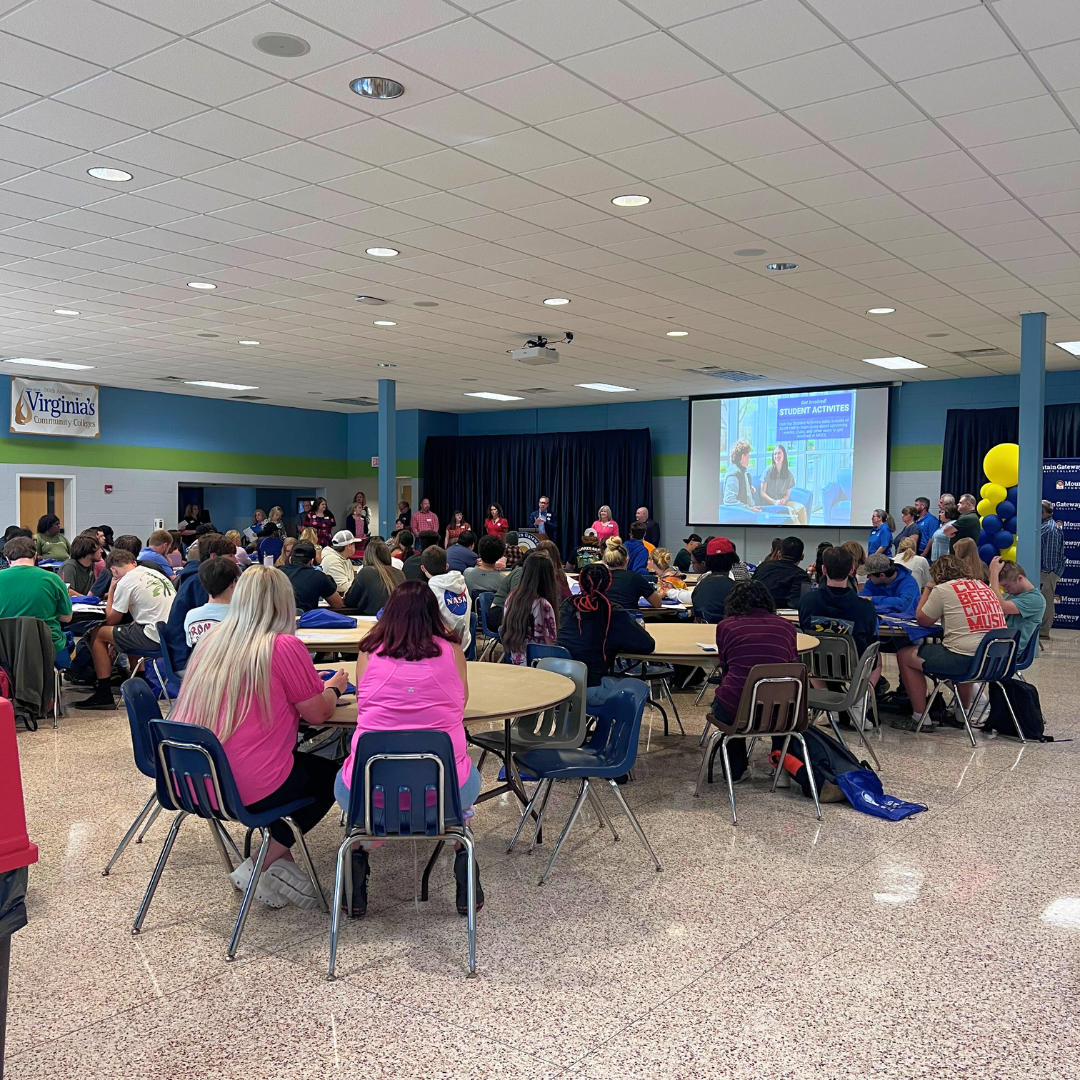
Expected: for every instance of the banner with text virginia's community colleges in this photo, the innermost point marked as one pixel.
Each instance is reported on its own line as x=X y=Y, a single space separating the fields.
x=43 y=407
x=1061 y=485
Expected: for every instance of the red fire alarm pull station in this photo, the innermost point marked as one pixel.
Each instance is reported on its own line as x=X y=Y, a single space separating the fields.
x=108 y=489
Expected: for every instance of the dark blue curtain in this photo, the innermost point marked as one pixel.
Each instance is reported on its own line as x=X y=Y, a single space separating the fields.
x=969 y=433
x=578 y=470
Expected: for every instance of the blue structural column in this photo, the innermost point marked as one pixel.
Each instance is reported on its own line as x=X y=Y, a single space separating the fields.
x=1032 y=401
x=387 y=455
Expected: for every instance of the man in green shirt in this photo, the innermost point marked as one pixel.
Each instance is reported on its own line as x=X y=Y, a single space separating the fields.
x=50 y=542
x=26 y=589
x=1022 y=603
x=968 y=524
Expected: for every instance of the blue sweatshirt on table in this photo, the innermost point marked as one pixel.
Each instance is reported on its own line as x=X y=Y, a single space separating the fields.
x=900 y=598
x=880 y=541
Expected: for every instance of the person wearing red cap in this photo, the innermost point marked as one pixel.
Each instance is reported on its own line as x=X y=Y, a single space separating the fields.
x=711 y=591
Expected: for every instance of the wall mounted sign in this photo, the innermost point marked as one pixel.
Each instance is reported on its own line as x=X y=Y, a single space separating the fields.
x=43 y=407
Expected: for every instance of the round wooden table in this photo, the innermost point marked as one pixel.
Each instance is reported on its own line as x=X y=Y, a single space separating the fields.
x=342 y=639
x=680 y=643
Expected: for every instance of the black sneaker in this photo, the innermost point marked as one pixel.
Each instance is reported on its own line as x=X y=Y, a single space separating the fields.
x=461 y=870
x=361 y=871
x=100 y=701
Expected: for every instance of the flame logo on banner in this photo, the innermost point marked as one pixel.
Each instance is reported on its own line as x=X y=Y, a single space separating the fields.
x=23 y=413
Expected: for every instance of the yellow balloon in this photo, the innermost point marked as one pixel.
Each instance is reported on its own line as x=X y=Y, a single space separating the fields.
x=993 y=494
x=1002 y=464
x=1009 y=554
x=985 y=507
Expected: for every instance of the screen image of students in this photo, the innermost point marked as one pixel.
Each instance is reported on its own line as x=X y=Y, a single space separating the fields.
x=738 y=491
x=777 y=483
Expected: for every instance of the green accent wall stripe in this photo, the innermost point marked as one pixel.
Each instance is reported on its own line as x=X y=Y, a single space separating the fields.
x=917 y=458
x=669 y=465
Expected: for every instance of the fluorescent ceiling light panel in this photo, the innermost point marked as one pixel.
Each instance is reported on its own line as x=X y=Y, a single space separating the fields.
x=48 y=363
x=894 y=363
x=1069 y=346
x=219 y=385
x=606 y=388
x=494 y=397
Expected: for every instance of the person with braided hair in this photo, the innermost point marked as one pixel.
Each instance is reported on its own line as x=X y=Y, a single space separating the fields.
x=594 y=630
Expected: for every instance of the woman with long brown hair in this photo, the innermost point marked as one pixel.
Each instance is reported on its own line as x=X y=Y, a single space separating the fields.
x=376 y=579
x=531 y=611
x=967 y=551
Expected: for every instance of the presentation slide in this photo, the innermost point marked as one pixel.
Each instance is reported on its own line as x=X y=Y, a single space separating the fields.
x=797 y=457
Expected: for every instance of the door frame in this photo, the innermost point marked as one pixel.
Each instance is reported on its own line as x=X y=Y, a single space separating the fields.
x=69 y=486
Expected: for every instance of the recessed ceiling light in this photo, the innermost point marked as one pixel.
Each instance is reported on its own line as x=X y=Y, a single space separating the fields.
x=781 y=266
x=894 y=363
x=64 y=311
x=631 y=200
x=494 y=397
x=748 y=252
x=218 y=385
x=1069 y=346
x=387 y=365
x=383 y=253
x=880 y=310
x=281 y=45
x=248 y=341
x=678 y=333
x=556 y=301
x=47 y=363
x=114 y=176
x=383 y=322
x=201 y=285
x=606 y=388
x=372 y=86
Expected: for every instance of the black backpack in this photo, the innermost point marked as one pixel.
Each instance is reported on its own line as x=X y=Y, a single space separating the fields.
x=828 y=759
x=1024 y=699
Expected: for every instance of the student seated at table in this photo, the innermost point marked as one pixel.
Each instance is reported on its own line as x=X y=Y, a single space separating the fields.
x=967 y=551
x=891 y=587
x=450 y=592
x=147 y=596
x=513 y=554
x=627 y=586
x=78 y=572
x=594 y=630
x=26 y=589
x=402 y=549
x=667 y=577
x=833 y=599
x=287 y=544
x=531 y=612
x=751 y=633
x=374 y=582
x=157 y=547
x=547 y=549
x=337 y=560
x=103 y=582
x=711 y=592
x=486 y=575
x=310 y=535
x=775 y=550
x=637 y=550
x=907 y=555
x=270 y=543
x=310 y=585
x=191 y=594
x=462 y=554
x=250 y=682
x=218 y=577
x=588 y=551
x=243 y=559
x=682 y=559
x=858 y=562
x=1022 y=602
x=175 y=555
x=411 y=566
x=411 y=675
x=966 y=609
x=49 y=541
x=785 y=579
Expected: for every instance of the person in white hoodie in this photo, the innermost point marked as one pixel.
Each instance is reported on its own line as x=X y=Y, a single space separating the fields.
x=336 y=560
x=455 y=603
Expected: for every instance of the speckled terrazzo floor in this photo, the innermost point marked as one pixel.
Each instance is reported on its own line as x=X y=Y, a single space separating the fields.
x=943 y=946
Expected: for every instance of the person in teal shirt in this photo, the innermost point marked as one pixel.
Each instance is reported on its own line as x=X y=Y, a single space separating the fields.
x=881 y=535
x=26 y=589
x=1022 y=601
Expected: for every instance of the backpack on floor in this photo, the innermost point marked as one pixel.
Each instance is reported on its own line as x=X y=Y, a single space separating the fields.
x=1024 y=699
x=828 y=759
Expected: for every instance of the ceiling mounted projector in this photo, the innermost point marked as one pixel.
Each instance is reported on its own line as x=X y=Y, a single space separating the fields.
x=538 y=352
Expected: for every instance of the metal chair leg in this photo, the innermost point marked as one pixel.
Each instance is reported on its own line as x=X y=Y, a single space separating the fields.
x=665 y=689
x=159 y=867
x=467 y=842
x=526 y=814
x=58 y=707
x=344 y=859
x=566 y=829
x=150 y=821
x=1012 y=713
x=132 y=830
x=634 y=822
x=427 y=871
x=663 y=713
x=780 y=763
x=537 y=836
x=249 y=896
x=305 y=860
x=480 y=763
x=860 y=724
x=601 y=813
x=216 y=831
x=727 y=776
x=809 y=773
x=929 y=701
x=710 y=750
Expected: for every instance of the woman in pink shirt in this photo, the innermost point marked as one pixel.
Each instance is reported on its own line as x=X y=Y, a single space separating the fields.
x=604 y=525
x=410 y=675
x=250 y=680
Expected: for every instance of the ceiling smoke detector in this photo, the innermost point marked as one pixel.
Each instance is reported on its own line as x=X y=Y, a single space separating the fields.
x=281 y=45
x=374 y=301
x=728 y=374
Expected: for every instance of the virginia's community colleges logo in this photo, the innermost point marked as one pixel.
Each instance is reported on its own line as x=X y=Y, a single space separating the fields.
x=39 y=407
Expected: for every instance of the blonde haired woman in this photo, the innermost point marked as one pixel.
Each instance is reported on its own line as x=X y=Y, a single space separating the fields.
x=666 y=576
x=242 y=558
x=967 y=551
x=605 y=526
x=250 y=680
x=907 y=554
x=627 y=586
x=312 y=537
x=286 y=551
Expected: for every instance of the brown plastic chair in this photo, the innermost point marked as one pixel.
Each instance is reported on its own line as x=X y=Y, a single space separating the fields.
x=773 y=703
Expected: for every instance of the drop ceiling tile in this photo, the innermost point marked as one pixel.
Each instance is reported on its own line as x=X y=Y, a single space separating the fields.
x=50 y=119
x=879 y=208
x=496 y=226
x=190 y=196
x=196 y=72
x=243 y=178
x=526 y=144
x=378 y=186
x=561 y=28
x=152 y=151
x=1036 y=23
x=1059 y=202
x=24 y=149
x=808 y=163
x=758 y=137
x=545 y=93
x=230 y=135
x=295 y=110
x=506 y=193
x=580 y=177
x=613 y=127
x=857 y=114
x=441 y=207
x=61 y=189
x=748 y=205
x=977 y=86
x=1044 y=181
x=897 y=228
x=674 y=219
x=897 y=144
x=377 y=142
x=187 y=17
x=663 y=158
x=1039 y=150
x=811 y=77
x=703 y=105
x=306 y=161
x=655 y=60
x=85 y=29
x=857 y=18
x=559 y=214
x=138 y=210
x=318 y=201
x=122 y=98
x=455 y=120
x=446 y=169
x=1060 y=64
x=953 y=196
x=379 y=25
x=704 y=185
x=1012 y=120
x=977 y=217
x=941 y=169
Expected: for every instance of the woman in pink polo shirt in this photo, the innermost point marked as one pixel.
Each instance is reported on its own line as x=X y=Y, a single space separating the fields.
x=411 y=674
x=605 y=525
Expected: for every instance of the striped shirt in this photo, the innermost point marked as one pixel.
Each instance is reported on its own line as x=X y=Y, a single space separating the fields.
x=745 y=640
x=1053 y=548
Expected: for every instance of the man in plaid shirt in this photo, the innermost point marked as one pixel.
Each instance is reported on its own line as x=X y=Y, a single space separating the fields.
x=1053 y=564
x=514 y=554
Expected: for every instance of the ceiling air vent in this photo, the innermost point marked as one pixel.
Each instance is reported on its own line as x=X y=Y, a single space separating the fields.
x=980 y=354
x=362 y=402
x=731 y=376
x=535 y=390
x=249 y=397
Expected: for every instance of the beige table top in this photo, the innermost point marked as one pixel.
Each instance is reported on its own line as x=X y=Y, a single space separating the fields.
x=678 y=642
x=343 y=638
x=496 y=692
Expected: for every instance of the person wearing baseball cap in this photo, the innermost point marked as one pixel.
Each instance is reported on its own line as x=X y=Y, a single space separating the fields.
x=336 y=560
x=711 y=591
x=891 y=586
x=309 y=583
x=682 y=556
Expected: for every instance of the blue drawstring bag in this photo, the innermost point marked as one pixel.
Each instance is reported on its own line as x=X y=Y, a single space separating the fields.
x=325 y=620
x=86 y=600
x=326 y=676
x=864 y=791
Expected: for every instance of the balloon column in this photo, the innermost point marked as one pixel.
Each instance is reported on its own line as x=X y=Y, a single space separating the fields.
x=997 y=509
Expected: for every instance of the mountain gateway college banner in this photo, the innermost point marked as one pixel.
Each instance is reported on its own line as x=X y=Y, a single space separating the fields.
x=41 y=407
x=1061 y=485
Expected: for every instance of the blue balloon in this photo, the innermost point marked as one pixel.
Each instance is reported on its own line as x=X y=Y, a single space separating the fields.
x=991 y=524
x=983 y=538
x=1010 y=525
x=1010 y=494
x=1003 y=540
x=1006 y=510
x=987 y=552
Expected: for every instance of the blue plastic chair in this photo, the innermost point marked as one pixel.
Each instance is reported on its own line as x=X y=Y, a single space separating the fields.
x=993 y=662
x=61 y=663
x=483 y=604
x=1025 y=659
x=419 y=767
x=193 y=777
x=533 y=653
x=610 y=752
x=171 y=674
x=470 y=652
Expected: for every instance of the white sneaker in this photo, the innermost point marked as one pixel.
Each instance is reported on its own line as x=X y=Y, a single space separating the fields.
x=291 y=883
x=264 y=891
x=784 y=780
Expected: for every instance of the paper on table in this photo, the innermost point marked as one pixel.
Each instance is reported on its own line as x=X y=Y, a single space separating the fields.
x=706 y=646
